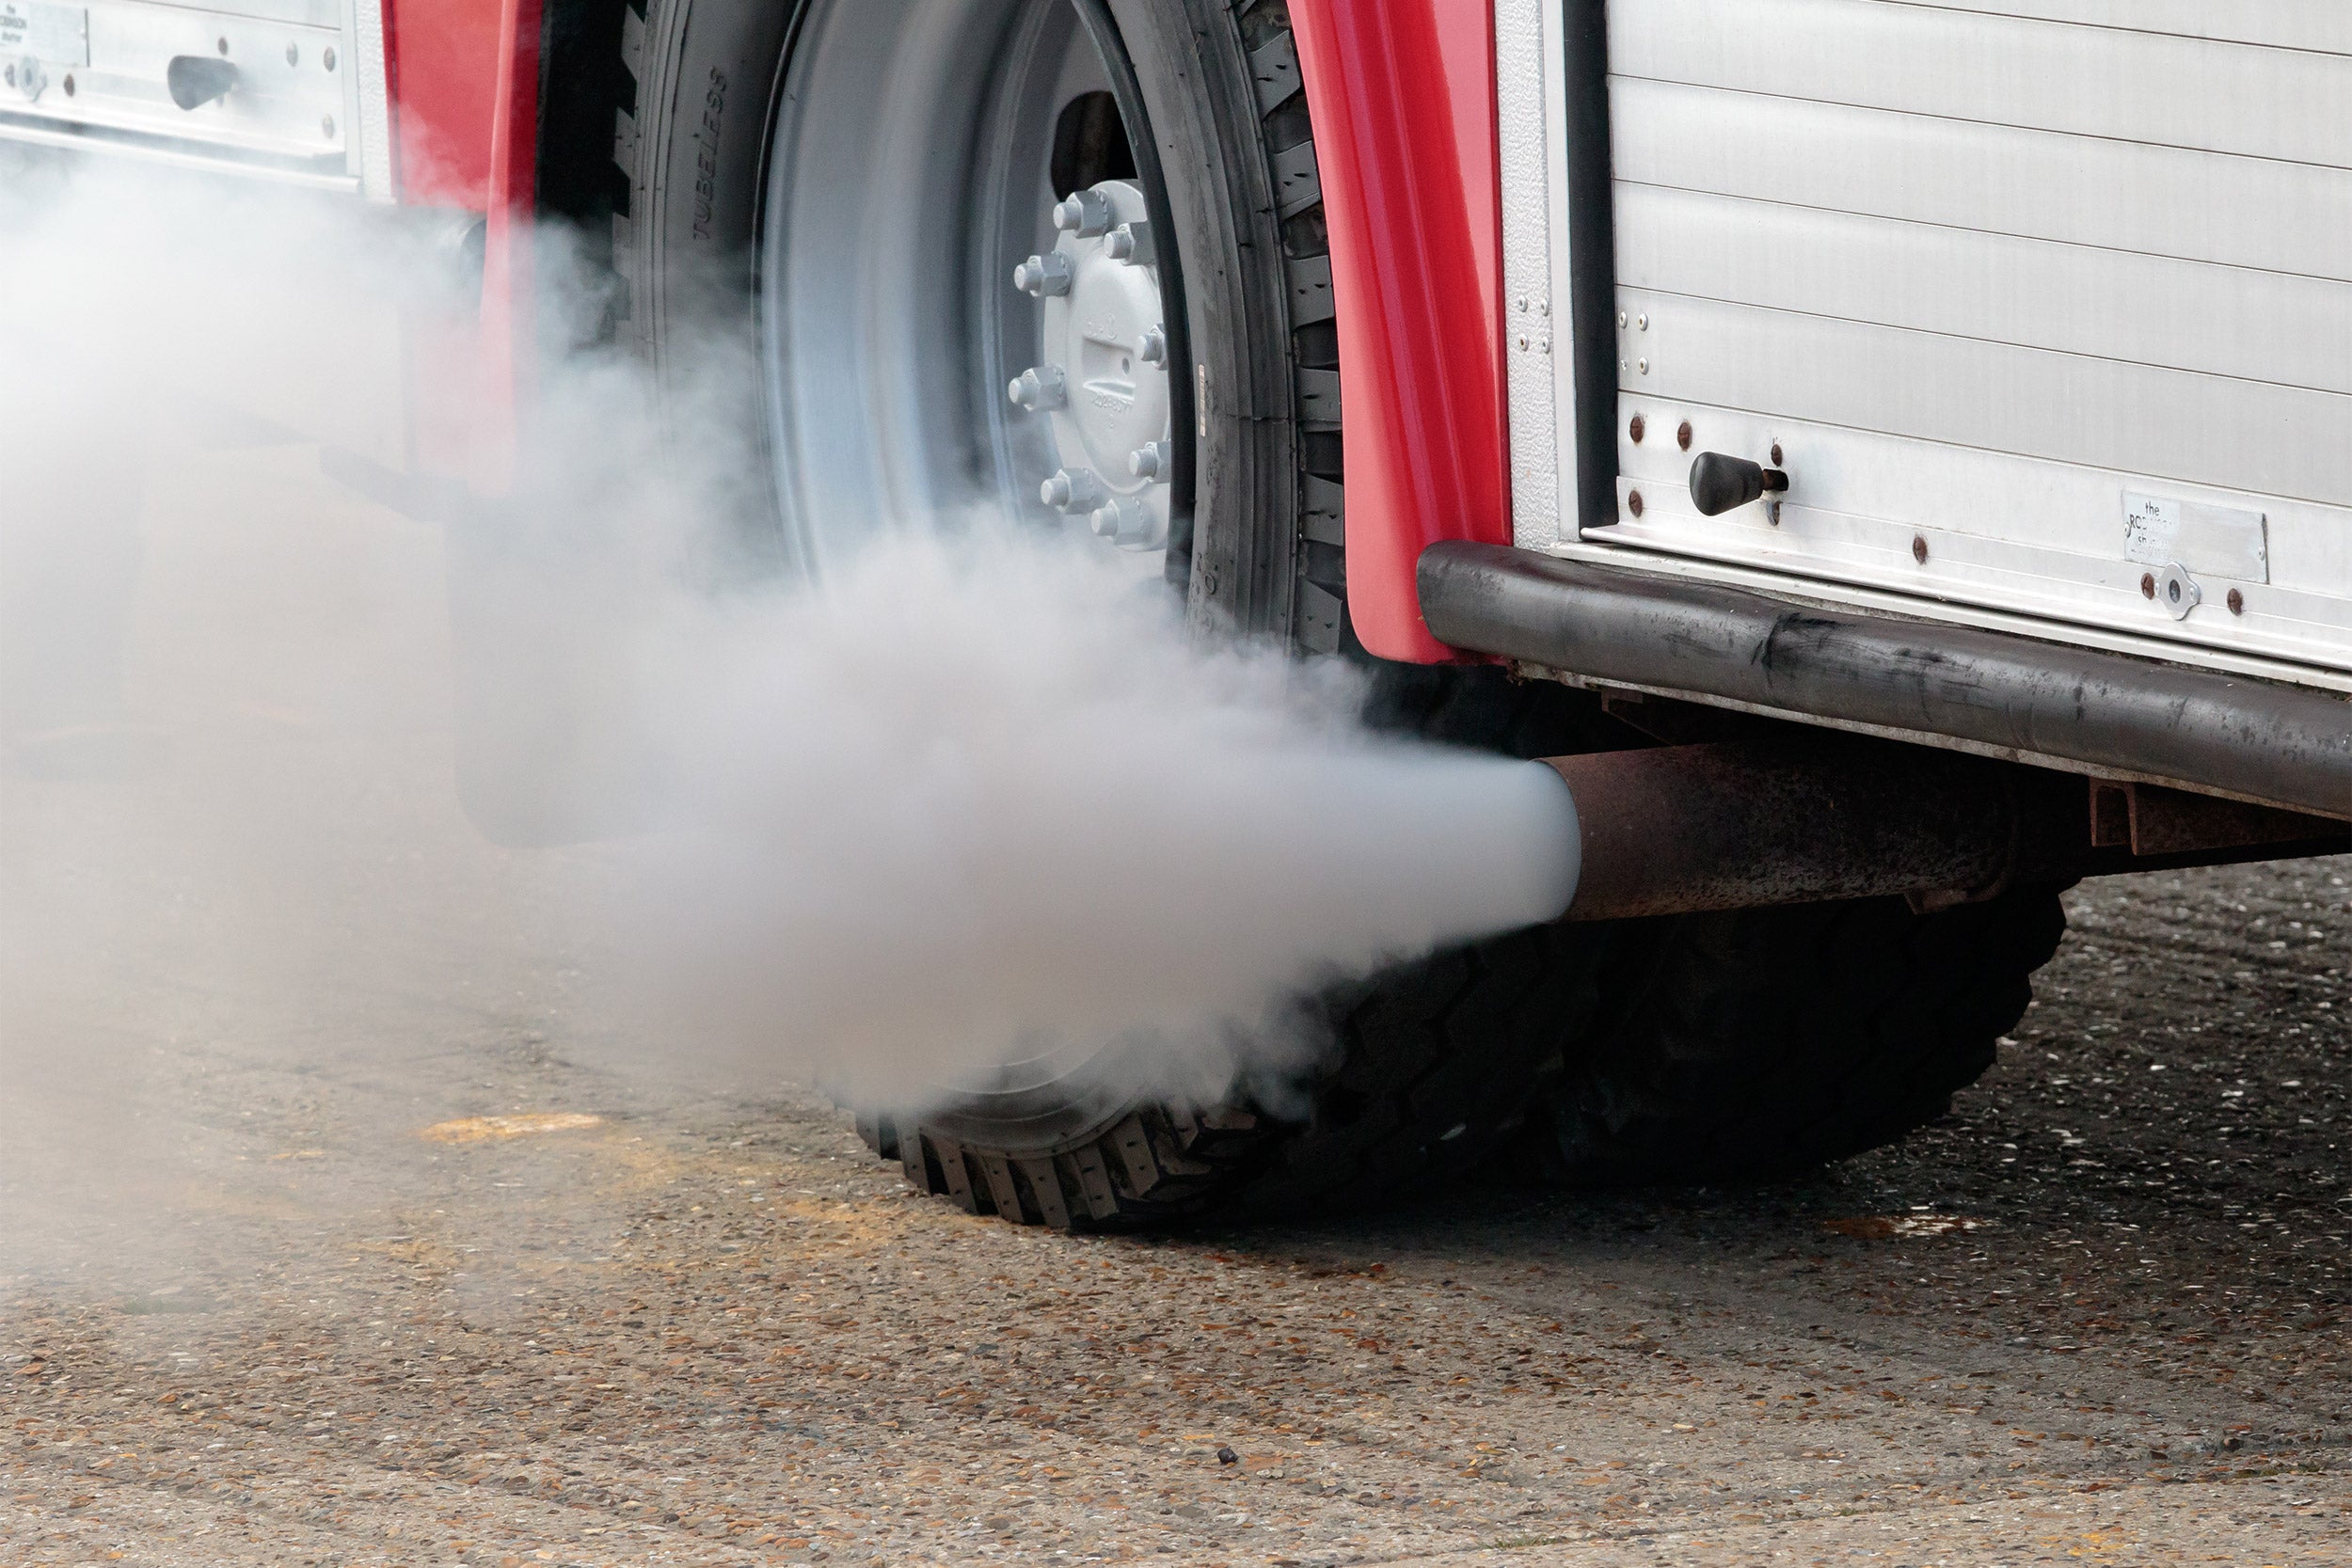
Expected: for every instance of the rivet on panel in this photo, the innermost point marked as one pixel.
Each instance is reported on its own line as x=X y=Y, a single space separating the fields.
x=2147 y=585
x=1778 y=461
x=2237 y=602
x=1643 y=365
x=1919 y=548
x=1683 y=436
x=1634 y=502
x=1637 y=429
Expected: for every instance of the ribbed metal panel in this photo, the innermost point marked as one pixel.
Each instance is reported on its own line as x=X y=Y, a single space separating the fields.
x=2102 y=247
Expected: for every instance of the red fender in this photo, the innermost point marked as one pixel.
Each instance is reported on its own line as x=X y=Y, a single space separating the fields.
x=1402 y=97
x=445 y=60
x=465 y=88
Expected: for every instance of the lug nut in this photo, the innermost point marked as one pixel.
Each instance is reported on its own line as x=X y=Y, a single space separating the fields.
x=1041 y=390
x=1129 y=524
x=1073 y=490
x=1130 y=243
x=1149 y=461
x=1153 y=347
x=1040 y=276
x=1085 y=213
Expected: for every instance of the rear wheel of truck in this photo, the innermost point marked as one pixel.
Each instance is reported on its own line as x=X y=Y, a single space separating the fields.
x=1758 y=1044
x=1067 y=257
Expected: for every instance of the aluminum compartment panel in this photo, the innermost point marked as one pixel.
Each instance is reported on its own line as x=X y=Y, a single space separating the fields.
x=2024 y=290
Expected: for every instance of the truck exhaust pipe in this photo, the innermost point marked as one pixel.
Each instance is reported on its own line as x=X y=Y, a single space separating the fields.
x=1681 y=830
x=1678 y=830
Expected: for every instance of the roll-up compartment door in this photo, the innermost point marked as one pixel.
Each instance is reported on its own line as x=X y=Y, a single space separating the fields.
x=2045 y=305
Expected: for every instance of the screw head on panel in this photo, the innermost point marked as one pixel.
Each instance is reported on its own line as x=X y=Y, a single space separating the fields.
x=1637 y=429
x=1683 y=437
x=2237 y=602
x=1919 y=548
x=1634 y=502
x=2147 y=585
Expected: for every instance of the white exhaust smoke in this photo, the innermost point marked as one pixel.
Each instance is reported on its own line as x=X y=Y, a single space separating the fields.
x=977 y=800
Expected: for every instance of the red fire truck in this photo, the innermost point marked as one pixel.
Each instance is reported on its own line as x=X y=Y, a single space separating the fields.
x=1897 y=458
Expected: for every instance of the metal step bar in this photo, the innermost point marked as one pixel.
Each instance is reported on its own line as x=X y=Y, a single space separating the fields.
x=2076 y=709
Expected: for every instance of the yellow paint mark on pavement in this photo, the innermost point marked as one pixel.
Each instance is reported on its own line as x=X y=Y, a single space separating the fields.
x=475 y=1130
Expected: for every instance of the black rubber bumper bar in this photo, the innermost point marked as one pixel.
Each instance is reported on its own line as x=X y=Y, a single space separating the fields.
x=2285 y=745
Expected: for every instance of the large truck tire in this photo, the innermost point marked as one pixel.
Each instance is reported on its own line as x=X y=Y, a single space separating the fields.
x=1757 y=1045
x=850 y=186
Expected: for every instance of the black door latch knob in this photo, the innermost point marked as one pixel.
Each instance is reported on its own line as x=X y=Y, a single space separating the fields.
x=195 y=80
x=1719 y=483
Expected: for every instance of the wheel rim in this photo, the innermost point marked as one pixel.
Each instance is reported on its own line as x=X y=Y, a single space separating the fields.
x=961 y=294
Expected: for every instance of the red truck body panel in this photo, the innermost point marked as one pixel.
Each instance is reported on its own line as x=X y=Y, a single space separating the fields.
x=1402 y=92
x=1403 y=98
x=464 y=90
x=443 y=59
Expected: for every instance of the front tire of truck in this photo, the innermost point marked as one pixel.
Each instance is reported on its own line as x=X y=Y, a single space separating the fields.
x=852 y=189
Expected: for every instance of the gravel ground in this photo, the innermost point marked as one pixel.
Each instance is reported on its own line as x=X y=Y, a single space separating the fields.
x=2098 y=1315
x=272 y=1293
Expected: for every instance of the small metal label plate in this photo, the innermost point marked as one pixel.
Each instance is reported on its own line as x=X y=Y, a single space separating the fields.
x=54 y=35
x=2221 y=541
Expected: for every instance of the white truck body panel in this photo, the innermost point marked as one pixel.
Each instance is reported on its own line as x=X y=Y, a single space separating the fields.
x=311 y=105
x=2040 y=299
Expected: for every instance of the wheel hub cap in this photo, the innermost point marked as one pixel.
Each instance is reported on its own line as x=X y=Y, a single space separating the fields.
x=1102 y=384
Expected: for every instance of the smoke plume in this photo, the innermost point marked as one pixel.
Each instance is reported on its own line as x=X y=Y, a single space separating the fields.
x=975 y=802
